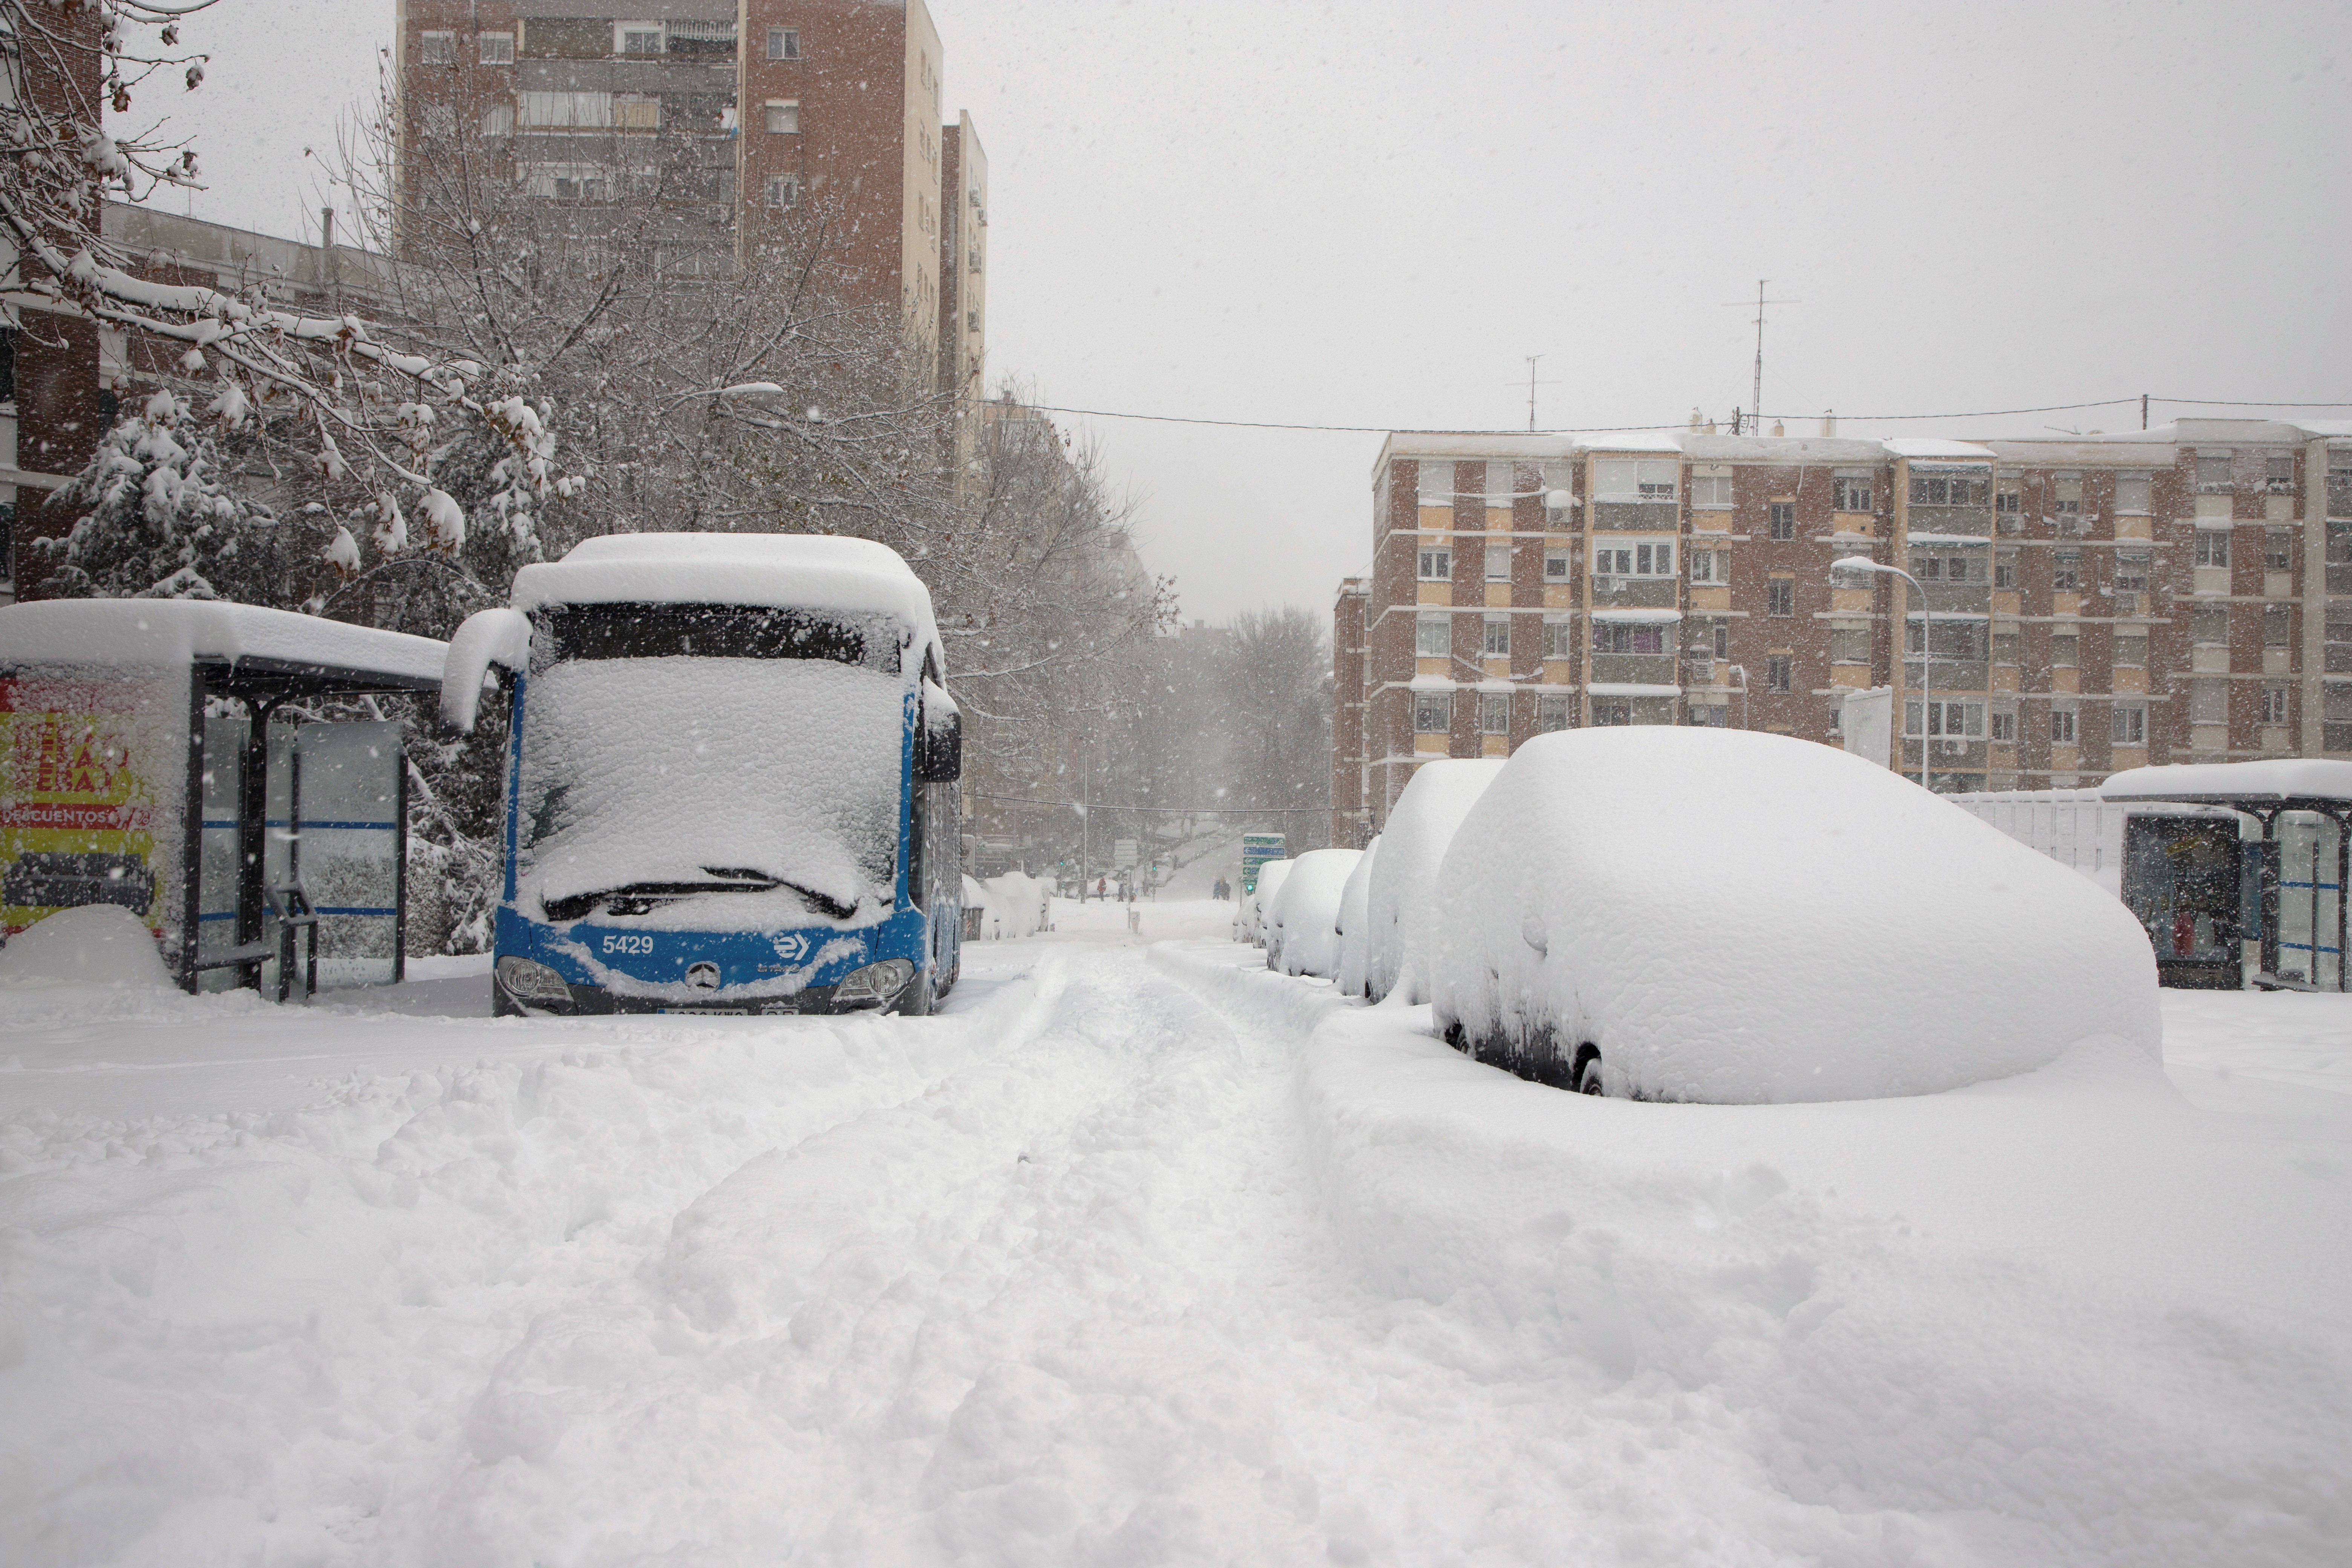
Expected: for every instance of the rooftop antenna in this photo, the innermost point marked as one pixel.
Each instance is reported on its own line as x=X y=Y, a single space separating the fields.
x=1532 y=384
x=1756 y=399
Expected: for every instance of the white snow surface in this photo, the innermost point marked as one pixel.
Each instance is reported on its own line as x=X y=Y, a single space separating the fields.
x=1140 y=1254
x=500 y=635
x=1743 y=918
x=97 y=944
x=2269 y=779
x=1413 y=843
x=1017 y=905
x=1355 y=918
x=803 y=571
x=1302 y=933
x=155 y=633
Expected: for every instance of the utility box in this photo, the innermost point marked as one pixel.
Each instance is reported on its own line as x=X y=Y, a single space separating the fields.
x=160 y=755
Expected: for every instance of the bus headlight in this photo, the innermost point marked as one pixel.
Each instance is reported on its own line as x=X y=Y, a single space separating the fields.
x=876 y=984
x=534 y=984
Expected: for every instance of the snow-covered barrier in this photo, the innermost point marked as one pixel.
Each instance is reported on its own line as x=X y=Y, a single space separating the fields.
x=1249 y=918
x=1355 y=916
x=1302 y=934
x=1740 y=918
x=1420 y=827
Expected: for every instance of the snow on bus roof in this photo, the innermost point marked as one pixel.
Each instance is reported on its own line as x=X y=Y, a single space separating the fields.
x=157 y=633
x=805 y=571
x=2272 y=779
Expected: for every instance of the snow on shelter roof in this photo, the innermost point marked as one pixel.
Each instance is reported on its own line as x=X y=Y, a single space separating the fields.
x=149 y=634
x=799 y=571
x=2272 y=780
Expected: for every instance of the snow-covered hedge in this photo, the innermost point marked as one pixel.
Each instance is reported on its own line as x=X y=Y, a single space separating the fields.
x=1249 y=915
x=1744 y=918
x=1302 y=933
x=1355 y=914
x=1404 y=879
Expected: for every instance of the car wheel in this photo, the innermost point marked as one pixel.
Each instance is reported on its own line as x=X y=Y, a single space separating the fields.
x=1586 y=1077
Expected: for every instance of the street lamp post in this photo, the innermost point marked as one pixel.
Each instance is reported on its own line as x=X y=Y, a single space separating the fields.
x=1856 y=563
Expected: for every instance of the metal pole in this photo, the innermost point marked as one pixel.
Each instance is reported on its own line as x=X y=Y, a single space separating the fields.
x=1086 y=820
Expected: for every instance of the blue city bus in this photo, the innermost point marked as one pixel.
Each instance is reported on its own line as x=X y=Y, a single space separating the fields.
x=731 y=780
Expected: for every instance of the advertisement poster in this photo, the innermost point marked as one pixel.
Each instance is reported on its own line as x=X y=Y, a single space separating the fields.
x=78 y=797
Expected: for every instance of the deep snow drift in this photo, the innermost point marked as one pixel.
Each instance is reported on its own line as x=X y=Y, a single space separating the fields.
x=1825 y=930
x=1140 y=1254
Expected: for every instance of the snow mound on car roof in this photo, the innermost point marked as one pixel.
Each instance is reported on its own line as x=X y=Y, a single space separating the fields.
x=1404 y=879
x=1743 y=918
x=1302 y=923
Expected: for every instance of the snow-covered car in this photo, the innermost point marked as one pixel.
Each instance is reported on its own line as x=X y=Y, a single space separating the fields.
x=1355 y=914
x=1717 y=915
x=1249 y=917
x=1404 y=879
x=1302 y=934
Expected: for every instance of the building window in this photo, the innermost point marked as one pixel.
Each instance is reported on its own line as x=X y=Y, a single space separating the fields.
x=1781 y=596
x=1706 y=715
x=1783 y=521
x=1553 y=712
x=1436 y=563
x=1711 y=491
x=1555 y=565
x=1494 y=712
x=2004 y=648
x=2212 y=545
x=1558 y=481
x=1627 y=636
x=2131 y=651
x=1612 y=713
x=1436 y=482
x=1558 y=637
x=1432 y=637
x=640 y=41
x=1635 y=479
x=2213 y=473
x=1778 y=670
x=1723 y=639
x=784 y=118
x=1711 y=568
x=1946 y=720
x=783 y=43
x=2132 y=495
x=2129 y=724
x=498 y=48
x=2131 y=571
x=2065 y=649
x=2278 y=550
x=2066 y=571
x=567 y=111
x=1428 y=712
x=1498 y=564
x=440 y=121
x=783 y=190
x=2004 y=569
x=2062 y=726
x=498 y=119
x=437 y=48
x=2209 y=626
x=2278 y=625
x=2002 y=726
x=1849 y=492
x=1949 y=490
x=1498 y=637
x=1654 y=558
x=2011 y=501
x=2278 y=474
x=1850 y=644
x=2274 y=698
x=1498 y=484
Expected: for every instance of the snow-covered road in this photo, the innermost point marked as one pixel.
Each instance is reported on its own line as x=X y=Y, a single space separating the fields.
x=1138 y=1256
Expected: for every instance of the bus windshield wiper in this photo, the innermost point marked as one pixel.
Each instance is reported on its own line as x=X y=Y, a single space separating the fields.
x=639 y=898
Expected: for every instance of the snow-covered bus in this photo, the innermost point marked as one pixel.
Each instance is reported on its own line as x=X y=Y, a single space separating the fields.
x=731 y=786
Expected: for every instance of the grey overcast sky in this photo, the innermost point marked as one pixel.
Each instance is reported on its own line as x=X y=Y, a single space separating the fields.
x=1371 y=213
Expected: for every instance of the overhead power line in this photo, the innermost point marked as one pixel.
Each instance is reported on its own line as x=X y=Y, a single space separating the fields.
x=1662 y=424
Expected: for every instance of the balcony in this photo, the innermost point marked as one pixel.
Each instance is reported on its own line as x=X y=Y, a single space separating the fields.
x=1631 y=668
x=1635 y=593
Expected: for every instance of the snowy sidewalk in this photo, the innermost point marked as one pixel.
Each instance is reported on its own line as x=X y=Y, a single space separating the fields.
x=1140 y=1254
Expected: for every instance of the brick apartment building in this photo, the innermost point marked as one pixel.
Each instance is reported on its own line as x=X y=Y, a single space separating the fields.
x=2183 y=595
x=749 y=122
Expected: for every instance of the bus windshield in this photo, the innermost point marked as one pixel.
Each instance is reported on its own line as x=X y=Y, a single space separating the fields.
x=756 y=789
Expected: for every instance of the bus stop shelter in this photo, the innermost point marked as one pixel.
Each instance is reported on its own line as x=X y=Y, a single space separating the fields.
x=2304 y=808
x=165 y=755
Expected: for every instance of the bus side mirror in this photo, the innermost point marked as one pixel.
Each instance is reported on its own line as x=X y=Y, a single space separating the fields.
x=939 y=756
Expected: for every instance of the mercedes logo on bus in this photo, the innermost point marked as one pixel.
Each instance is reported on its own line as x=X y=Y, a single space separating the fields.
x=703 y=977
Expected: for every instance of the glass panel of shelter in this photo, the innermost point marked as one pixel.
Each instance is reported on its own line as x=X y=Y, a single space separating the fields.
x=2310 y=899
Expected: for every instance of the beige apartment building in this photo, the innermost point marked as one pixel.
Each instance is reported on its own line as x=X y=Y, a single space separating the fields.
x=2095 y=602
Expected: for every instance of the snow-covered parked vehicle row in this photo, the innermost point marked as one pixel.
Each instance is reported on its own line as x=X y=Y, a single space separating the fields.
x=1403 y=885
x=1714 y=915
x=1355 y=916
x=1249 y=911
x=1302 y=933
x=732 y=778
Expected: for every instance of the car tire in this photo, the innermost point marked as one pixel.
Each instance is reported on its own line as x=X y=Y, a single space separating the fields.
x=1587 y=1079
x=920 y=998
